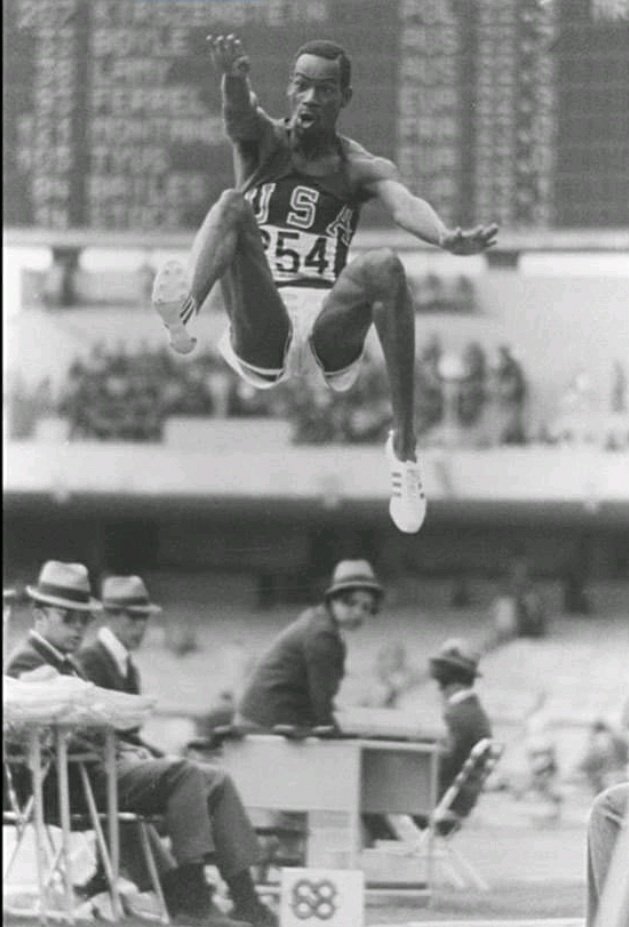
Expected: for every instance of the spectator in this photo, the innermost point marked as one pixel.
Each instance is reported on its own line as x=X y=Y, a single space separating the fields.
x=511 y=394
x=605 y=759
x=530 y=614
x=541 y=751
x=472 y=391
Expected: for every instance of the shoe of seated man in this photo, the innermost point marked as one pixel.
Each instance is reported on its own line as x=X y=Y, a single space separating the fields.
x=260 y=916
x=408 y=500
x=189 y=900
x=174 y=305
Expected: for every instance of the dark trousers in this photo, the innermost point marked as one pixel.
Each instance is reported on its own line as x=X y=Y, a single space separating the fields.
x=202 y=811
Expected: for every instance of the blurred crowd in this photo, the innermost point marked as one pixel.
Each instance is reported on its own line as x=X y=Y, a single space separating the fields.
x=115 y=395
x=469 y=399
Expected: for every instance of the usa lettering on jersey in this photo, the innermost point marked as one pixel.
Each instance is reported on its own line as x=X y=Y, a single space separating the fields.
x=305 y=229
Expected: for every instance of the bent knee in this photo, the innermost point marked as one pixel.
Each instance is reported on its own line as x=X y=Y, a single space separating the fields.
x=234 y=205
x=185 y=771
x=382 y=270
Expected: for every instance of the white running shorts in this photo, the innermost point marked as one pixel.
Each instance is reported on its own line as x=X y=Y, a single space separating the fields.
x=303 y=306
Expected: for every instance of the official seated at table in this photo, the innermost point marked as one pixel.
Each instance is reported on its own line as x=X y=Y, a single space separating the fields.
x=454 y=668
x=297 y=679
x=108 y=661
x=201 y=808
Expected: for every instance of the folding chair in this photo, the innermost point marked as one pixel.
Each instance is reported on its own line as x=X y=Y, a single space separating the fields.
x=434 y=842
x=445 y=822
x=18 y=812
x=18 y=807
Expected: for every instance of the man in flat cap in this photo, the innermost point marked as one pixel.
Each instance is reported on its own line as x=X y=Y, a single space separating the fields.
x=298 y=677
x=202 y=811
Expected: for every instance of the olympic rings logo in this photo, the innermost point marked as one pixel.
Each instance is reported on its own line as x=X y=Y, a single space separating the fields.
x=314 y=899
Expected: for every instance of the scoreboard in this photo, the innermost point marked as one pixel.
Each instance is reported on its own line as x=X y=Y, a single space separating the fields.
x=506 y=110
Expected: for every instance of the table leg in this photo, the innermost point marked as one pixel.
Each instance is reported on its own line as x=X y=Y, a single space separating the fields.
x=112 y=802
x=63 y=786
x=35 y=764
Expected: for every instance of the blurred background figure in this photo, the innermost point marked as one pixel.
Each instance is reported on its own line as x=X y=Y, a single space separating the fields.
x=395 y=673
x=510 y=392
x=543 y=766
x=604 y=761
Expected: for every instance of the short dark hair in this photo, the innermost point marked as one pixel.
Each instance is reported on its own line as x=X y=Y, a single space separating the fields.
x=323 y=48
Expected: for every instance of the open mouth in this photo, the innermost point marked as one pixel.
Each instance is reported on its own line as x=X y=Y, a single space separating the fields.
x=306 y=119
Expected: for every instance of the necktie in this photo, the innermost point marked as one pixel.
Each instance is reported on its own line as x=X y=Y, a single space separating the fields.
x=132 y=680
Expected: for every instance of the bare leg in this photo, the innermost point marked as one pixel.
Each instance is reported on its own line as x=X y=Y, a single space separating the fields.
x=373 y=289
x=228 y=247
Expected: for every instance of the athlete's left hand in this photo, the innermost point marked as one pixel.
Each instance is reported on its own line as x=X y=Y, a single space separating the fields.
x=470 y=241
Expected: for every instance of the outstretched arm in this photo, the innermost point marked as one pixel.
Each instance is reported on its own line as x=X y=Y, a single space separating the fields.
x=244 y=120
x=420 y=219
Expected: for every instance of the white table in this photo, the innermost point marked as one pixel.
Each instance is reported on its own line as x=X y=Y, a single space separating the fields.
x=333 y=781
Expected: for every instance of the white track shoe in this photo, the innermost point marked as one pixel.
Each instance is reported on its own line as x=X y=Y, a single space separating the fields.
x=170 y=300
x=408 y=500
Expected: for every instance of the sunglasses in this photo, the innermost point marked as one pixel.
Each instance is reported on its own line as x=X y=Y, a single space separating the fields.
x=74 y=618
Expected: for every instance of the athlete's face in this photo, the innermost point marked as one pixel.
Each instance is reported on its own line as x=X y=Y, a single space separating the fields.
x=316 y=96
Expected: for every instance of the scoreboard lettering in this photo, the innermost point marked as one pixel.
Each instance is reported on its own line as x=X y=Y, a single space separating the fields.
x=112 y=113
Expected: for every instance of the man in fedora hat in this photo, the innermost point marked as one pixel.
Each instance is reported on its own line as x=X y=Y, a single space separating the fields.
x=297 y=679
x=63 y=606
x=202 y=811
x=455 y=668
x=107 y=661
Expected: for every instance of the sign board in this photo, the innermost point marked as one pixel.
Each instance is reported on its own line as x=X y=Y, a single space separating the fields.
x=494 y=110
x=313 y=897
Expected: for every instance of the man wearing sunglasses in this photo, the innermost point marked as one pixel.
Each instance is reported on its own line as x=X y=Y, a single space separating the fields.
x=202 y=811
x=298 y=678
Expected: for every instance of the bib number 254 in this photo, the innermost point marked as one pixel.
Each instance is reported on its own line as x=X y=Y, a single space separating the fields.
x=293 y=253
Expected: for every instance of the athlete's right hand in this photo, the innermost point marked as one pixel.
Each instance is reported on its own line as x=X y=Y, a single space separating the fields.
x=228 y=55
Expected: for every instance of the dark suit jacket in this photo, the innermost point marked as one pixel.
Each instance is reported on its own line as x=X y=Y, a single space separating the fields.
x=467 y=723
x=33 y=653
x=29 y=656
x=296 y=680
x=99 y=666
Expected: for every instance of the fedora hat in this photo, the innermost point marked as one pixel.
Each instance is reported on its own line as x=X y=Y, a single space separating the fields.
x=66 y=585
x=457 y=652
x=353 y=574
x=127 y=593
